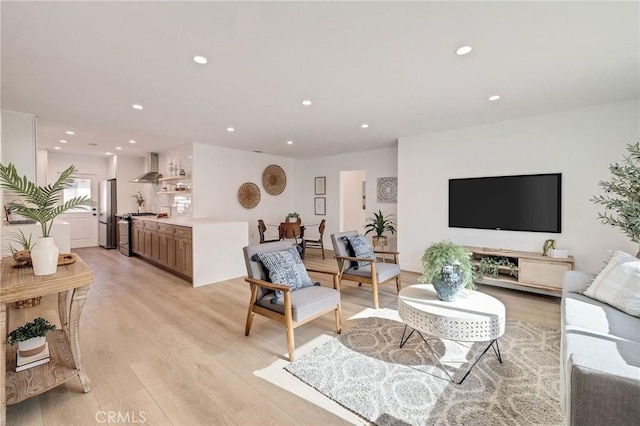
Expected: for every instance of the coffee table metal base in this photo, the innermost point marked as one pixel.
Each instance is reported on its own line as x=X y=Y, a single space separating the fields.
x=493 y=343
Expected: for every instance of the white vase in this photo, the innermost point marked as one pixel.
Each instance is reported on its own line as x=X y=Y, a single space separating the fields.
x=32 y=346
x=44 y=256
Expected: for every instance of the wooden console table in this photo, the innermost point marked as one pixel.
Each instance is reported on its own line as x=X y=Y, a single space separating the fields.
x=71 y=283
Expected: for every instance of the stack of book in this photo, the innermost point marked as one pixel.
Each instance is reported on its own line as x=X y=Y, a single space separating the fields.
x=26 y=362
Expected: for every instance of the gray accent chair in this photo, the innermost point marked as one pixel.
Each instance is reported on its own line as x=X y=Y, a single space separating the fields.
x=294 y=308
x=374 y=274
x=599 y=359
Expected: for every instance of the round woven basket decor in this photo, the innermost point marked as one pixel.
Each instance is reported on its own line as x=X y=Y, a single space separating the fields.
x=274 y=179
x=249 y=195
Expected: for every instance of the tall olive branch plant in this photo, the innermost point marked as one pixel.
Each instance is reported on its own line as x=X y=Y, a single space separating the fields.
x=621 y=198
x=41 y=203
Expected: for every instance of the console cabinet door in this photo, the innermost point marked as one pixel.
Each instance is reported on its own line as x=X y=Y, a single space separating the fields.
x=549 y=274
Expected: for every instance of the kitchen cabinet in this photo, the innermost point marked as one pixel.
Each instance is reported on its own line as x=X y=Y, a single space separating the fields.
x=184 y=250
x=167 y=248
x=151 y=245
x=137 y=237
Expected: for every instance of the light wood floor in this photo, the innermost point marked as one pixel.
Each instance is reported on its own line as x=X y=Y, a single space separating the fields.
x=161 y=352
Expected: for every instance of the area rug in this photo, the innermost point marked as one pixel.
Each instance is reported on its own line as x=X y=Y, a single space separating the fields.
x=365 y=370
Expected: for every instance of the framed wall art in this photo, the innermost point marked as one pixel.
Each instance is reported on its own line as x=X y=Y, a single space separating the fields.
x=320 y=206
x=321 y=185
x=388 y=190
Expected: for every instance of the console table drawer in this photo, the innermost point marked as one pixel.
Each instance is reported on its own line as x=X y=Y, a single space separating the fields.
x=539 y=272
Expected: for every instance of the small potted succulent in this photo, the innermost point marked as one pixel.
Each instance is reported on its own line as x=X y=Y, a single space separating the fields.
x=449 y=268
x=379 y=224
x=31 y=336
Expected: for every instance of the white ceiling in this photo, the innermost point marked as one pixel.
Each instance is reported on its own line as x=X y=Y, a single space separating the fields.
x=81 y=65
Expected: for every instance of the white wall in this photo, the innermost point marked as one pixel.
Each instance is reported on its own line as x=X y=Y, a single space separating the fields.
x=19 y=142
x=128 y=168
x=353 y=215
x=59 y=162
x=218 y=173
x=376 y=163
x=579 y=143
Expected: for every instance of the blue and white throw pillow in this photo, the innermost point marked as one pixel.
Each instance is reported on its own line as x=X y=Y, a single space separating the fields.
x=286 y=267
x=361 y=248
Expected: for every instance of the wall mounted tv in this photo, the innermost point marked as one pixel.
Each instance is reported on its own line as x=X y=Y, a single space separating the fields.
x=514 y=203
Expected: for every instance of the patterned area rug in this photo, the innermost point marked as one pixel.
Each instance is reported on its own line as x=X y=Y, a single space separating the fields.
x=366 y=371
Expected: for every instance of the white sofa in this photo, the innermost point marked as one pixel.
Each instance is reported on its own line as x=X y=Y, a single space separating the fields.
x=599 y=359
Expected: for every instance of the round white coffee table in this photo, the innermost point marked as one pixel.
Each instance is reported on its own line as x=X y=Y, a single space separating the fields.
x=473 y=317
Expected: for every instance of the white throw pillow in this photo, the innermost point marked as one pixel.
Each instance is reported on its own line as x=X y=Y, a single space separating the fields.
x=618 y=284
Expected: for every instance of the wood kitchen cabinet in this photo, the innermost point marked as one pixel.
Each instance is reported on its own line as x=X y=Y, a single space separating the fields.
x=151 y=243
x=166 y=243
x=184 y=250
x=137 y=237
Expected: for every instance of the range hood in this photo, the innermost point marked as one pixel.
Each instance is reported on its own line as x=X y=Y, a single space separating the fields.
x=152 y=175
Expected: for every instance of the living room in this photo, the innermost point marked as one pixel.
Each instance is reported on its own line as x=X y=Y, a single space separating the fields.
x=550 y=125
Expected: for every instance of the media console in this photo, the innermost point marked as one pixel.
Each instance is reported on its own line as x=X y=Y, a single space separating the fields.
x=536 y=273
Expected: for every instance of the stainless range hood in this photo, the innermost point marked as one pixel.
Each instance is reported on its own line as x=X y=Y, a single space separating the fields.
x=152 y=175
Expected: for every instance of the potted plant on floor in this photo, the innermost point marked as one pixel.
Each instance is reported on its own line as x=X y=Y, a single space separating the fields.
x=621 y=201
x=449 y=268
x=380 y=224
x=31 y=336
x=42 y=204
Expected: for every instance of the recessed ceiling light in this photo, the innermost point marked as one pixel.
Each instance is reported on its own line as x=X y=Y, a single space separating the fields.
x=132 y=141
x=70 y=132
x=463 y=50
x=289 y=142
x=231 y=129
x=306 y=102
x=109 y=153
x=364 y=125
x=257 y=151
x=57 y=147
x=63 y=141
x=494 y=98
x=93 y=144
x=136 y=106
x=118 y=148
x=200 y=60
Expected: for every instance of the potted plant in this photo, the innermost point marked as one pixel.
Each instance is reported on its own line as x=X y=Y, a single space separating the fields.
x=491 y=265
x=449 y=268
x=293 y=217
x=42 y=204
x=380 y=224
x=140 y=201
x=31 y=336
x=621 y=200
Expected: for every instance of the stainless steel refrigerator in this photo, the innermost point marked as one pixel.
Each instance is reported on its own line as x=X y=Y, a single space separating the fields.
x=107 y=214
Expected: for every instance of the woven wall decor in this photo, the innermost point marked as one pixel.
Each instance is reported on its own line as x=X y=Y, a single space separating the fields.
x=249 y=195
x=388 y=190
x=274 y=179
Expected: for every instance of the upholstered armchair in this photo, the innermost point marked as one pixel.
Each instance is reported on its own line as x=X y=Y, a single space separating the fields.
x=290 y=298
x=367 y=269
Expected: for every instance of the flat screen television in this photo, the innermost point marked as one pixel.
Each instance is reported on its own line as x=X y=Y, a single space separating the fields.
x=514 y=203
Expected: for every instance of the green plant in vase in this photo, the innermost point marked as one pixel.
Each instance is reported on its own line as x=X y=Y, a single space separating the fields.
x=491 y=266
x=449 y=268
x=42 y=204
x=621 y=198
x=379 y=224
x=31 y=336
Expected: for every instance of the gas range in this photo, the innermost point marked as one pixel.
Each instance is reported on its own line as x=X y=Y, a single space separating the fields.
x=124 y=231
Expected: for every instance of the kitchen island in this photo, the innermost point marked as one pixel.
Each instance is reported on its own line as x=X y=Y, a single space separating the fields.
x=202 y=251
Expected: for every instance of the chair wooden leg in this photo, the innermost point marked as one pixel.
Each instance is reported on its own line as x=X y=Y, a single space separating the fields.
x=322 y=248
x=398 y=284
x=375 y=294
x=252 y=301
x=288 y=319
x=338 y=319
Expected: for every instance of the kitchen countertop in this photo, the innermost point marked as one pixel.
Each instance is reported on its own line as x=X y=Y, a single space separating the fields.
x=185 y=221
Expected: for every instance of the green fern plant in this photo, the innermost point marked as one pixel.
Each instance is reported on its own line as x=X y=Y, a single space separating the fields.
x=41 y=203
x=491 y=266
x=443 y=253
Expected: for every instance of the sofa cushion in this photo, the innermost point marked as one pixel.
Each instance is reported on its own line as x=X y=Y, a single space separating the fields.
x=618 y=284
x=286 y=268
x=581 y=313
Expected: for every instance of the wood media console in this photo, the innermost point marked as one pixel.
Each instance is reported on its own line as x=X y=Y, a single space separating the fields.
x=535 y=273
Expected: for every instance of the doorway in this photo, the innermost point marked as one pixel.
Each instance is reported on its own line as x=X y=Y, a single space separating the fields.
x=83 y=222
x=353 y=202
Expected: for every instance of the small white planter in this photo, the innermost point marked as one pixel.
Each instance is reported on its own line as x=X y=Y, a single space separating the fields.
x=31 y=346
x=44 y=256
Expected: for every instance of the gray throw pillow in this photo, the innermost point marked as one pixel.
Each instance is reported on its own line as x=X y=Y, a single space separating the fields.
x=286 y=267
x=362 y=248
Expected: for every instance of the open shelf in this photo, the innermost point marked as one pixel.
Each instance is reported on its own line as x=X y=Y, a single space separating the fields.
x=173 y=178
x=188 y=191
x=33 y=381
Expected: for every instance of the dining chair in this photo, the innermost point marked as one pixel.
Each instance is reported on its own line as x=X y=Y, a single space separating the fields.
x=316 y=242
x=293 y=231
x=364 y=269
x=290 y=298
x=262 y=228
